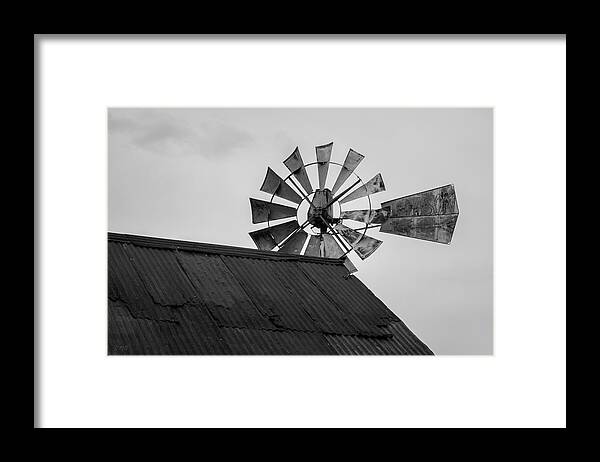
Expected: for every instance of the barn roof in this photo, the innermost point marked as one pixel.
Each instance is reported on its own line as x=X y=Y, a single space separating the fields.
x=178 y=297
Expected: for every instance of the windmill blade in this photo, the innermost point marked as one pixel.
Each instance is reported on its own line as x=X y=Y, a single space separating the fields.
x=313 y=249
x=374 y=185
x=363 y=245
x=429 y=215
x=263 y=239
x=375 y=217
x=295 y=243
x=295 y=165
x=437 y=201
x=353 y=158
x=323 y=157
x=282 y=231
x=268 y=238
x=437 y=228
x=263 y=211
x=331 y=248
x=274 y=184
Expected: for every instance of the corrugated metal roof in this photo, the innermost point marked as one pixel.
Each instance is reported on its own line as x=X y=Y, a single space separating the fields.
x=179 y=297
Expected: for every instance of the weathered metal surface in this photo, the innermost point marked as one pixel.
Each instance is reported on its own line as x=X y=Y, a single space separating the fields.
x=161 y=274
x=438 y=228
x=262 y=239
x=268 y=284
x=126 y=286
x=220 y=292
x=374 y=185
x=274 y=184
x=262 y=211
x=295 y=243
x=351 y=298
x=281 y=231
x=402 y=340
x=363 y=245
x=372 y=217
x=438 y=201
x=240 y=301
x=323 y=157
x=276 y=342
x=295 y=165
x=318 y=210
x=193 y=333
x=429 y=215
x=313 y=249
x=330 y=247
x=353 y=158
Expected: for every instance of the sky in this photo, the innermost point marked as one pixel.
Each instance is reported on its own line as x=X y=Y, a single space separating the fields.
x=188 y=174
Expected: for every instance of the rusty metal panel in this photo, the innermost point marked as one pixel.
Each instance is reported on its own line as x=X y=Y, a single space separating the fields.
x=220 y=292
x=401 y=342
x=126 y=286
x=363 y=245
x=323 y=158
x=276 y=342
x=330 y=247
x=353 y=158
x=374 y=217
x=437 y=201
x=403 y=337
x=438 y=228
x=274 y=184
x=162 y=275
x=321 y=308
x=263 y=239
x=374 y=185
x=350 y=297
x=313 y=248
x=295 y=165
x=193 y=333
x=267 y=283
x=283 y=230
x=262 y=211
x=295 y=243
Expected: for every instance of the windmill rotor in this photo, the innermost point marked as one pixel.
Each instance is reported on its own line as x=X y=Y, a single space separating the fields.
x=428 y=215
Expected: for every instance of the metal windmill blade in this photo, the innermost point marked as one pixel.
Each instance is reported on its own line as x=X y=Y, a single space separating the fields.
x=429 y=215
x=274 y=184
x=263 y=211
x=323 y=158
x=374 y=185
x=270 y=237
x=362 y=244
x=353 y=158
x=295 y=164
x=370 y=217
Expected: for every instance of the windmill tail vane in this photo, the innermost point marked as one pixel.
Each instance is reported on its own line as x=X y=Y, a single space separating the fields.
x=429 y=215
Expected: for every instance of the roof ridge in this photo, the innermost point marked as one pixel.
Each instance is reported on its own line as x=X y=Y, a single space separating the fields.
x=219 y=249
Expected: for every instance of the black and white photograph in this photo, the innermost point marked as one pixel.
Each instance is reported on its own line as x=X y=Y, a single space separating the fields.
x=300 y=231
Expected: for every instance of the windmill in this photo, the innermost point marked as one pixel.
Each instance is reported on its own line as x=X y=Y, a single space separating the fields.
x=322 y=229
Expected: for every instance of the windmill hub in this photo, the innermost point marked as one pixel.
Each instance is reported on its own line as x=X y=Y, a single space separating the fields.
x=319 y=210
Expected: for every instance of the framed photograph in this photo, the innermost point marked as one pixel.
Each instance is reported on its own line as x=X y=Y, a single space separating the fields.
x=225 y=224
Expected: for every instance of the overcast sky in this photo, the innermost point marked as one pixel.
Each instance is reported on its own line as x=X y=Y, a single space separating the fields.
x=188 y=173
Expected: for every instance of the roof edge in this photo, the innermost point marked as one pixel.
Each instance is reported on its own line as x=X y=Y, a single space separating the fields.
x=219 y=249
